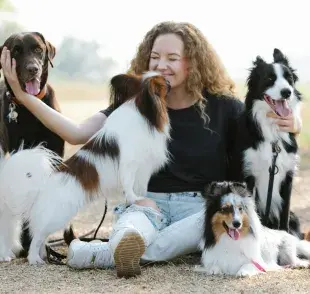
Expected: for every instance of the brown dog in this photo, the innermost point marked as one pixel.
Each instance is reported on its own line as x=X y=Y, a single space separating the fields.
x=32 y=54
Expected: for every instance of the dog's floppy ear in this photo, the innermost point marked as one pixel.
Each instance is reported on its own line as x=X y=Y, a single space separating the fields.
x=239 y=188
x=216 y=189
x=51 y=50
x=157 y=85
x=122 y=88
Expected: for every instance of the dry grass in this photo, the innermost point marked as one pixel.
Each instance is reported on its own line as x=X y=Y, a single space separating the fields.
x=175 y=276
x=172 y=277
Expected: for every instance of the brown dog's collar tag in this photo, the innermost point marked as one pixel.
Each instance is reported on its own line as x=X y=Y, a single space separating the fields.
x=13 y=113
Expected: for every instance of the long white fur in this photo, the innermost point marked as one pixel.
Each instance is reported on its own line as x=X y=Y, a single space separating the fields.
x=49 y=200
x=257 y=162
x=265 y=246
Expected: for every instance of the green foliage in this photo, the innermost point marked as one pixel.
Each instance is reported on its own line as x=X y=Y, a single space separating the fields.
x=6 y=6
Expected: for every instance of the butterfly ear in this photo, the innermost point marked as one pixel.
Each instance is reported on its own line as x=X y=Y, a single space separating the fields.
x=122 y=88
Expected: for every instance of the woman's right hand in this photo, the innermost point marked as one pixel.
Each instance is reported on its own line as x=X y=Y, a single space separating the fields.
x=9 y=71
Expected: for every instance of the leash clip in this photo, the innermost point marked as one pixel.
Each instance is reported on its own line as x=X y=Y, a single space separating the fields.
x=277 y=148
x=13 y=113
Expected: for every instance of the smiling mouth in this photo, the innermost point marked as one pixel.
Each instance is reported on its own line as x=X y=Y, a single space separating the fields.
x=32 y=86
x=280 y=107
x=232 y=233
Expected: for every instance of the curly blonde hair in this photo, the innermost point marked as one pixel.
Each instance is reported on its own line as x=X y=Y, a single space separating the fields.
x=206 y=70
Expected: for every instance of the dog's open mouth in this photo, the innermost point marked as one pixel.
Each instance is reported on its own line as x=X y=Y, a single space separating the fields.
x=232 y=233
x=33 y=86
x=280 y=107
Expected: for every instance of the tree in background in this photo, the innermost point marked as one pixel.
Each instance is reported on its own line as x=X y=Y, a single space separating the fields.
x=6 y=5
x=80 y=59
x=75 y=59
x=7 y=27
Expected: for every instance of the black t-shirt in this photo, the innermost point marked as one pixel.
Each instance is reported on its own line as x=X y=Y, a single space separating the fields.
x=200 y=153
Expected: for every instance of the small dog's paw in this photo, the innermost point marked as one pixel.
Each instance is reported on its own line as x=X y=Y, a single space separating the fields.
x=300 y=264
x=131 y=199
x=7 y=257
x=248 y=270
x=213 y=270
x=36 y=260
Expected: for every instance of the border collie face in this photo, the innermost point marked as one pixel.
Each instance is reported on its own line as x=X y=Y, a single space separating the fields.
x=273 y=83
x=227 y=211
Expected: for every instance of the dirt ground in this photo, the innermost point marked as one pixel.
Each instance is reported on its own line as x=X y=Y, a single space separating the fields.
x=172 y=277
x=175 y=276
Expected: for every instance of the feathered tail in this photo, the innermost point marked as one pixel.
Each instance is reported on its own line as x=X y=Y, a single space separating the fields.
x=23 y=175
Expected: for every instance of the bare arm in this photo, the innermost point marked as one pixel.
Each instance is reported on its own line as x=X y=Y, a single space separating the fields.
x=67 y=129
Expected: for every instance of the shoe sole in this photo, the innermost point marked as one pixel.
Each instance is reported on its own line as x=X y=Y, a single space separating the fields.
x=127 y=255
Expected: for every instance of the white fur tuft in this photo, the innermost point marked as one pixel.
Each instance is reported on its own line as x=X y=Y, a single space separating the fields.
x=150 y=74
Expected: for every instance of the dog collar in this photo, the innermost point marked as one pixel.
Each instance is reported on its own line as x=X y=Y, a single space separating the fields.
x=258 y=266
x=40 y=96
x=42 y=93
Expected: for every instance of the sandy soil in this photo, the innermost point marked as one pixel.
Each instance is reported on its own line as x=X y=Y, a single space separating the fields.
x=171 y=277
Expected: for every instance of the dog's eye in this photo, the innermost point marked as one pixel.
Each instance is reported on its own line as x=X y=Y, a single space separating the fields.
x=17 y=50
x=288 y=77
x=226 y=209
x=38 y=50
x=240 y=208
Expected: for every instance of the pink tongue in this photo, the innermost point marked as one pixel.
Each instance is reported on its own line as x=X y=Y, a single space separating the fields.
x=234 y=234
x=33 y=87
x=282 y=107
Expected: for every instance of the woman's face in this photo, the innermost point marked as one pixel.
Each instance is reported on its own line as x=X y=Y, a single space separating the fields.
x=167 y=57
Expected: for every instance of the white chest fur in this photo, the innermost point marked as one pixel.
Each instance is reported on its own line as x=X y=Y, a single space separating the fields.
x=257 y=164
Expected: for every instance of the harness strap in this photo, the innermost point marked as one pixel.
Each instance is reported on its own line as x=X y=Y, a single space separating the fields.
x=273 y=170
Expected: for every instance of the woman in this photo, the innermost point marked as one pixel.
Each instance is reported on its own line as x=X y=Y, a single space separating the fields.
x=202 y=112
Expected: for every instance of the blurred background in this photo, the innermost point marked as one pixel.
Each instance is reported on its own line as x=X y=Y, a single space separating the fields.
x=96 y=39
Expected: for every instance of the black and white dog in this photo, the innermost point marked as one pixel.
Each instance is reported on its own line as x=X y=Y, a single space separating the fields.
x=271 y=87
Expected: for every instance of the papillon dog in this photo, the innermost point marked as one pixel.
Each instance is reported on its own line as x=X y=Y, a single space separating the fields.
x=117 y=161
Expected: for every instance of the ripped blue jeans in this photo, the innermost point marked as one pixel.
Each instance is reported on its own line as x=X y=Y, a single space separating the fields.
x=175 y=230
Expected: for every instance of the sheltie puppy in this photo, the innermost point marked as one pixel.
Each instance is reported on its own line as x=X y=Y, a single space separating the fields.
x=118 y=160
x=235 y=242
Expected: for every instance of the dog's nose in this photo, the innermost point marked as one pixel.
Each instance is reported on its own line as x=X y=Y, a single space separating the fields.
x=236 y=224
x=33 y=69
x=286 y=93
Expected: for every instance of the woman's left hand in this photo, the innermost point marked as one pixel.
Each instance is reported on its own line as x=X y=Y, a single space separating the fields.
x=288 y=124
